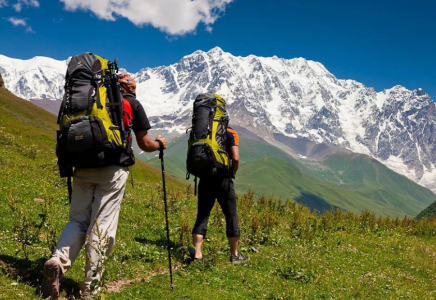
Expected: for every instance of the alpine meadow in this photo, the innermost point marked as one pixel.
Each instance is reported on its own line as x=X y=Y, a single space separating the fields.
x=333 y=250
x=217 y=150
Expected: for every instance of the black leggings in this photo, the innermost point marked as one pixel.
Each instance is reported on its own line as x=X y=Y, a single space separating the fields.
x=221 y=189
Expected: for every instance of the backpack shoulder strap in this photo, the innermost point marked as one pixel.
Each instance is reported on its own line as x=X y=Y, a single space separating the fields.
x=128 y=95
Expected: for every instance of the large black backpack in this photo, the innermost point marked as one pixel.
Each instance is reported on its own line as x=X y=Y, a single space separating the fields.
x=91 y=132
x=207 y=155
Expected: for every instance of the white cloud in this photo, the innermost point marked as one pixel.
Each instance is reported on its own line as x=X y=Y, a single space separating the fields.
x=17 y=21
x=3 y=3
x=175 y=17
x=20 y=22
x=18 y=6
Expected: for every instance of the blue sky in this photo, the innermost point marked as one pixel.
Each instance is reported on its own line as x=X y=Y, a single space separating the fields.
x=379 y=43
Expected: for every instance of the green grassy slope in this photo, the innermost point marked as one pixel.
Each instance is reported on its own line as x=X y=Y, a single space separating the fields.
x=294 y=253
x=372 y=179
x=349 y=181
x=288 y=182
x=428 y=212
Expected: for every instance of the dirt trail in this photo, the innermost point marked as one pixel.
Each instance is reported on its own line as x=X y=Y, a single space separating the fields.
x=118 y=285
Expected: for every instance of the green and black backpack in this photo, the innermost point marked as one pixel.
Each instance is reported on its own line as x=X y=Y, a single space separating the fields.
x=207 y=155
x=92 y=132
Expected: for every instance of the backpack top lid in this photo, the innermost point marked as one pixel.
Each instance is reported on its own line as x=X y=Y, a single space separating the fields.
x=214 y=101
x=211 y=96
x=87 y=62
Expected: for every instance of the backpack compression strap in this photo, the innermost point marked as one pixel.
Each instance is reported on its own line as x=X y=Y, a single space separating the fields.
x=70 y=188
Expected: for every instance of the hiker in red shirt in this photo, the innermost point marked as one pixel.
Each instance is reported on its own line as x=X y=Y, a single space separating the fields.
x=96 y=200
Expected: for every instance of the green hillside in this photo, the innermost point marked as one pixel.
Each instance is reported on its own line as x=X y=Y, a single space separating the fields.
x=294 y=252
x=250 y=150
x=428 y=213
x=372 y=179
x=175 y=158
x=351 y=182
x=288 y=182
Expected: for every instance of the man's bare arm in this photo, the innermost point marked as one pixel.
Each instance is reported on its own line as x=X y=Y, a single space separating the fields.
x=147 y=144
x=235 y=158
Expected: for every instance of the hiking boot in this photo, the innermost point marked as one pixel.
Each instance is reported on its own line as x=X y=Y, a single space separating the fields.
x=192 y=255
x=87 y=293
x=237 y=259
x=50 y=283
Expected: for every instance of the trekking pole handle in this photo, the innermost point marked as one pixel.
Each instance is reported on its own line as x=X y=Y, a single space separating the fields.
x=161 y=149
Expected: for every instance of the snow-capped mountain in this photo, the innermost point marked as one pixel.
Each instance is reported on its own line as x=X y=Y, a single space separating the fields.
x=294 y=97
x=35 y=78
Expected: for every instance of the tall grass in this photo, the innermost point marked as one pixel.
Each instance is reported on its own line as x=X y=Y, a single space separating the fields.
x=266 y=223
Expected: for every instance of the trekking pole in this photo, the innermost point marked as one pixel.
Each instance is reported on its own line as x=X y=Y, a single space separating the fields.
x=161 y=154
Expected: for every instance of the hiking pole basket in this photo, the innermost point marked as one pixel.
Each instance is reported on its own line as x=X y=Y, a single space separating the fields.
x=161 y=154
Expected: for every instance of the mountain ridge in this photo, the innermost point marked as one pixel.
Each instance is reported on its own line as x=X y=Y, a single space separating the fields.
x=297 y=98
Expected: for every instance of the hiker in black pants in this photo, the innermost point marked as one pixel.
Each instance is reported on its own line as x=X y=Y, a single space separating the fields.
x=220 y=187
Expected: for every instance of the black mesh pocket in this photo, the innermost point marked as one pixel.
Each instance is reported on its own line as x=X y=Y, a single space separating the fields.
x=84 y=134
x=80 y=137
x=82 y=96
x=85 y=142
x=200 y=161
